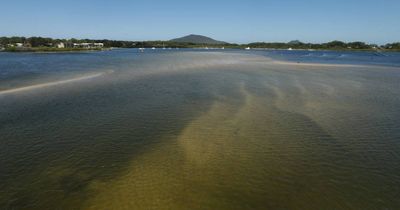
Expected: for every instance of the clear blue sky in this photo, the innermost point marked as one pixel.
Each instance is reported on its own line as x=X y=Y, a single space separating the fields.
x=241 y=21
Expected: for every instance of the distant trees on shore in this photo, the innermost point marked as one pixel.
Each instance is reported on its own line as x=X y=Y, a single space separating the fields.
x=394 y=46
x=334 y=45
x=330 y=45
x=49 y=42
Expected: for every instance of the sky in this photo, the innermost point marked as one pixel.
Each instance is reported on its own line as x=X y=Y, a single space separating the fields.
x=236 y=21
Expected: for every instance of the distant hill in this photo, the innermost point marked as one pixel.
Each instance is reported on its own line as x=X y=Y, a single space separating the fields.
x=197 y=39
x=294 y=42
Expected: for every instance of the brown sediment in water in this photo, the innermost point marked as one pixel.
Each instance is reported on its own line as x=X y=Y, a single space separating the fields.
x=252 y=152
x=231 y=157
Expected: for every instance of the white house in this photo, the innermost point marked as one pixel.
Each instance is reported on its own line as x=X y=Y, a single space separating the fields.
x=61 y=45
x=89 y=45
x=99 y=45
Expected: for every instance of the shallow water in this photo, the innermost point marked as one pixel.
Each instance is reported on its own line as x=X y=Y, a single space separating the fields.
x=196 y=130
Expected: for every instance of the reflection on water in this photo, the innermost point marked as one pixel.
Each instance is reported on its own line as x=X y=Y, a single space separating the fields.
x=196 y=130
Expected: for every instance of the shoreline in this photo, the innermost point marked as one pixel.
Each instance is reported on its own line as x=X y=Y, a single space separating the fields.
x=67 y=50
x=52 y=50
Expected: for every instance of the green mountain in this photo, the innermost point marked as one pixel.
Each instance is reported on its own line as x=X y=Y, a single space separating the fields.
x=197 y=39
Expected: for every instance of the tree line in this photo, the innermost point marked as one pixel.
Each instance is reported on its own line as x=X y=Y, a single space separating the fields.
x=49 y=42
x=339 y=45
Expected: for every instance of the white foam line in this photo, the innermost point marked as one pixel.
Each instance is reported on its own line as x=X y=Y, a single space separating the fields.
x=49 y=84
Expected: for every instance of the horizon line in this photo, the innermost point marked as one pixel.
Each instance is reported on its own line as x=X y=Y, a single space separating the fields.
x=155 y=40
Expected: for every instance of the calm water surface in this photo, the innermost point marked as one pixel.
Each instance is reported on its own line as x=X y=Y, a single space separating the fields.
x=194 y=129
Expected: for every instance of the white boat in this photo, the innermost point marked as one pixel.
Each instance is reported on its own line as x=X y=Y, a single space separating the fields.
x=153 y=48
x=290 y=49
x=247 y=48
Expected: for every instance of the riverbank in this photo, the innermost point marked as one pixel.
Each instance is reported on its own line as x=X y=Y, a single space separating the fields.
x=51 y=49
x=330 y=49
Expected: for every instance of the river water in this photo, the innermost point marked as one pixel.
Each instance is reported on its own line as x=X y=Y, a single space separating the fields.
x=196 y=129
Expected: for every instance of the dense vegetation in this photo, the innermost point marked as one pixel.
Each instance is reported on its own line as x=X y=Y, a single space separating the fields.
x=330 y=45
x=49 y=49
x=393 y=46
x=48 y=44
